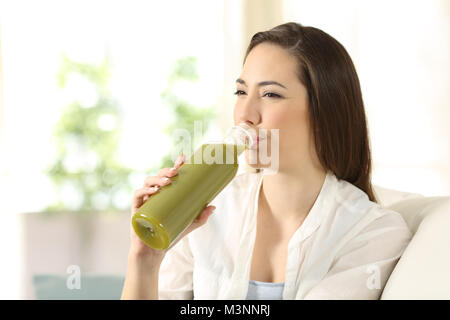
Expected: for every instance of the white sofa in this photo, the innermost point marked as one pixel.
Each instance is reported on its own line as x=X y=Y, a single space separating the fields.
x=423 y=271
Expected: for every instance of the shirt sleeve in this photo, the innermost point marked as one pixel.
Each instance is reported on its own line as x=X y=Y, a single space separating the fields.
x=175 y=275
x=363 y=266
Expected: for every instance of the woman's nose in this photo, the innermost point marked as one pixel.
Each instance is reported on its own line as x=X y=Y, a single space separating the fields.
x=249 y=113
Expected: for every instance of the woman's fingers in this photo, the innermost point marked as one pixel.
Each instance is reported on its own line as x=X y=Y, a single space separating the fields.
x=170 y=172
x=180 y=161
x=164 y=175
x=167 y=172
x=153 y=181
x=203 y=217
x=138 y=196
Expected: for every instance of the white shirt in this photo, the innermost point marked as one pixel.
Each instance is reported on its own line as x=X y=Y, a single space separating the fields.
x=346 y=247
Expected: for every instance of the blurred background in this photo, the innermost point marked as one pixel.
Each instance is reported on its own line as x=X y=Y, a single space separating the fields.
x=92 y=91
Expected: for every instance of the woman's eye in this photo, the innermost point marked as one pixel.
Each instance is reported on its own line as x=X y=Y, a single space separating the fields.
x=267 y=94
x=272 y=95
x=239 y=92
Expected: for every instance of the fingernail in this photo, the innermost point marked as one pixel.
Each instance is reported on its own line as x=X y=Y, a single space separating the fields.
x=166 y=179
x=172 y=170
x=179 y=161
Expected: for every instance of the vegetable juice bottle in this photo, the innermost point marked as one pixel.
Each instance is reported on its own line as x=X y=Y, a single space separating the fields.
x=167 y=213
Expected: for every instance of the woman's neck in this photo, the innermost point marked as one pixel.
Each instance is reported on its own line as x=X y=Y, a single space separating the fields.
x=289 y=195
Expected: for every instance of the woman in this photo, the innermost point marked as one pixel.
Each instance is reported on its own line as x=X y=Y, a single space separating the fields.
x=312 y=229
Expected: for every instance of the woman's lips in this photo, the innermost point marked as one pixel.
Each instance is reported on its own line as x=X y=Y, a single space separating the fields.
x=256 y=141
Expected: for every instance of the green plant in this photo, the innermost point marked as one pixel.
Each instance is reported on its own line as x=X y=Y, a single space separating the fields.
x=99 y=176
x=184 y=113
x=87 y=140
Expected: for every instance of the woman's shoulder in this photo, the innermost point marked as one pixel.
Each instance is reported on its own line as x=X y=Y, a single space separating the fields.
x=352 y=201
x=349 y=197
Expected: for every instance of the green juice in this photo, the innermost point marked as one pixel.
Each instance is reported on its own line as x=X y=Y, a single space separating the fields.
x=167 y=213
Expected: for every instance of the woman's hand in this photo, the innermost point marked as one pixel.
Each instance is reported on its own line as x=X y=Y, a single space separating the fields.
x=141 y=281
x=151 y=185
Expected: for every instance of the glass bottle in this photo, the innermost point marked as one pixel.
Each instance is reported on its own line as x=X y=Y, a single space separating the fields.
x=167 y=213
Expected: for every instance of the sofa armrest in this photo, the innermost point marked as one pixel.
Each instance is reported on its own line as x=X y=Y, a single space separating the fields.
x=423 y=271
x=387 y=197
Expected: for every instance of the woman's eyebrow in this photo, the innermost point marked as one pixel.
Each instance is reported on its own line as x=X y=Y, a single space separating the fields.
x=263 y=83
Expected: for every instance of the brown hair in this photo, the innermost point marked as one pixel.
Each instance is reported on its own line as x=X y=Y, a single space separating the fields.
x=336 y=107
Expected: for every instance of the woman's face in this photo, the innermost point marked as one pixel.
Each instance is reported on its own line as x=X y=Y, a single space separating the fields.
x=270 y=96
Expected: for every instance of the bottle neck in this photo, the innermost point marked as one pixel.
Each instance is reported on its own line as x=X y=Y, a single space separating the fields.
x=240 y=137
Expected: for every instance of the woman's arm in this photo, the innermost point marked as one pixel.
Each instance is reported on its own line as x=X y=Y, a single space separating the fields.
x=144 y=263
x=141 y=281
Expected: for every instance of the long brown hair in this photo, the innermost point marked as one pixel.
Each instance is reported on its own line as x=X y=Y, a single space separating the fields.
x=336 y=107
